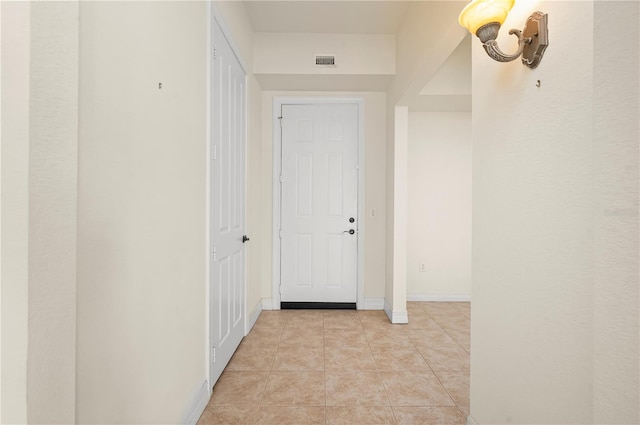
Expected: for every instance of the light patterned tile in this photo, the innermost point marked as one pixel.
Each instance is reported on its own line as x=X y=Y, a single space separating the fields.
x=348 y=357
x=252 y=357
x=228 y=415
x=421 y=322
x=271 y=319
x=299 y=357
x=394 y=334
x=355 y=389
x=295 y=389
x=291 y=415
x=429 y=416
x=239 y=388
x=453 y=322
x=449 y=358
x=463 y=333
x=344 y=337
x=374 y=319
x=415 y=389
x=303 y=317
x=414 y=309
x=457 y=385
x=301 y=336
x=397 y=357
x=341 y=313
x=264 y=335
x=360 y=415
x=342 y=321
x=370 y=365
x=430 y=337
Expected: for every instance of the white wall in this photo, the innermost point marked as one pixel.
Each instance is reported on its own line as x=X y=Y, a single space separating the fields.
x=374 y=227
x=439 y=206
x=141 y=350
x=39 y=189
x=555 y=277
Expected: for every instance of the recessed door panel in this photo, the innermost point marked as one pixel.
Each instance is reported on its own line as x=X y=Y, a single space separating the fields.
x=227 y=204
x=319 y=194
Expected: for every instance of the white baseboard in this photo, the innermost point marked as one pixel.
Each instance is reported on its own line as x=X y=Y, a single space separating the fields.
x=387 y=310
x=396 y=317
x=471 y=421
x=198 y=403
x=253 y=317
x=373 y=304
x=439 y=297
x=267 y=304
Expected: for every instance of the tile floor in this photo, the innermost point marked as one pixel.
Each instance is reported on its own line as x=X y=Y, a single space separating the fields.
x=348 y=367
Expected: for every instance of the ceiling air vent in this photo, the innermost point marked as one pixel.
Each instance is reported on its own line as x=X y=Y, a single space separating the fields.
x=326 y=60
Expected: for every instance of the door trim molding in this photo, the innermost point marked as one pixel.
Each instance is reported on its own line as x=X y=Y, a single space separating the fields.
x=278 y=101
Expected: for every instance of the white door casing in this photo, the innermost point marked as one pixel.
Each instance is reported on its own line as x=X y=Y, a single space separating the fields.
x=227 y=221
x=319 y=203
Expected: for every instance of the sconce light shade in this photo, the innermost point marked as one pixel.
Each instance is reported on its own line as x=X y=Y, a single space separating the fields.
x=483 y=18
x=482 y=12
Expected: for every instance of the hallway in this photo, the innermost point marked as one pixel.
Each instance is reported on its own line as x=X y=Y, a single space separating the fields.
x=348 y=367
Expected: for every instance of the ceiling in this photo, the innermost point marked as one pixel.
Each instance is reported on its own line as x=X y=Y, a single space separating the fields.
x=341 y=17
x=449 y=89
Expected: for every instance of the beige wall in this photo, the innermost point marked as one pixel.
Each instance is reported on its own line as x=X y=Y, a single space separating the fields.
x=616 y=151
x=439 y=206
x=419 y=55
x=141 y=348
x=14 y=209
x=254 y=211
x=555 y=268
x=53 y=162
x=290 y=53
x=374 y=227
x=39 y=189
x=238 y=25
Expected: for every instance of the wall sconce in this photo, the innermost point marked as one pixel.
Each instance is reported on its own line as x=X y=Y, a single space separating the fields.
x=484 y=18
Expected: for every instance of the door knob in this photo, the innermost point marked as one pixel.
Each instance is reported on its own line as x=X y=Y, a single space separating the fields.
x=245 y=238
x=350 y=231
x=351 y=219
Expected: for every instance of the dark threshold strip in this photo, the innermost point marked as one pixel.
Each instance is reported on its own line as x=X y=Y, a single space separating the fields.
x=317 y=306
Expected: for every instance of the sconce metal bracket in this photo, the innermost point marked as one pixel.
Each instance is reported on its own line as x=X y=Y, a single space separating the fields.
x=536 y=30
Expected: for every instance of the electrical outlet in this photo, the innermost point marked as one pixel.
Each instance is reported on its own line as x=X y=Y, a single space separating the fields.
x=422 y=267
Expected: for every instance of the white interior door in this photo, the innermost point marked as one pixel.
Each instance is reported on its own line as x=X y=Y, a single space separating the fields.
x=319 y=203
x=227 y=204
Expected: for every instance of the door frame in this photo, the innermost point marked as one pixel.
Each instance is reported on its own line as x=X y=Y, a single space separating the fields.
x=215 y=17
x=278 y=102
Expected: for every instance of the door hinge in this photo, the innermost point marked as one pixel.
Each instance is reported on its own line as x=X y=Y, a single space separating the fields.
x=214 y=354
x=215 y=152
x=280 y=233
x=281 y=178
x=215 y=52
x=214 y=254
x=280 y=119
